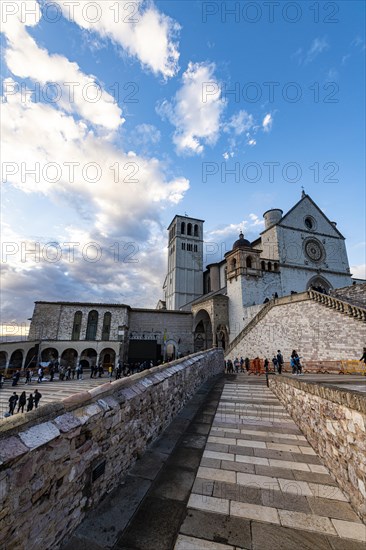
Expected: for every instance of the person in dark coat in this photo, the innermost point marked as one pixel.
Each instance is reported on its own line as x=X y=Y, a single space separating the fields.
x=12 y=402
x=30 y=402
x=37 y=397
x=22 y=401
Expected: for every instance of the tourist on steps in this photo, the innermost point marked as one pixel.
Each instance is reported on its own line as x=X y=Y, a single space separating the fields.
x=22 y=401
x=37 y=398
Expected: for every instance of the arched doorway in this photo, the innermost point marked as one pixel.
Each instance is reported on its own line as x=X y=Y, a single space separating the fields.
x=88 y=358
x=16 y=359
x=319 y=284
x=69 y=357
x=107 y=357
x=49 y=354
x=171 y=351
x=31 y=359
x=202 y=331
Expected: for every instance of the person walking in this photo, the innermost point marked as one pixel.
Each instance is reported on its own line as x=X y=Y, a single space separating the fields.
x=247 y=364
x=30 y=402
x=40 y=375
x=52 y=373
x=27 y=376
x=12 y=402
x=37 y=398
x=279 y=361
x=22 y=401
x=363 y=357
x=275 y=363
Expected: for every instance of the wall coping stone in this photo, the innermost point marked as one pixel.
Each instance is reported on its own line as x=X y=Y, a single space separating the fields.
x=129 y=389
x=342 y=396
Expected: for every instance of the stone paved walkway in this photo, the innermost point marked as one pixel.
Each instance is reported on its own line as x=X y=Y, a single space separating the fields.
x=261 y=486
x=51 y=391
x=231 y=472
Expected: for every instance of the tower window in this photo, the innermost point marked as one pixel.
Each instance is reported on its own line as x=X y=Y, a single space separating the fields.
x=183 y=228
x=195 y=248
x=248 y=262
x=183 y=246
x=189 y=229
x=196 y=230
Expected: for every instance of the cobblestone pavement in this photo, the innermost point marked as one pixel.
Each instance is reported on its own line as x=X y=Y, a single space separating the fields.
x=231 y=472
x=51 y=391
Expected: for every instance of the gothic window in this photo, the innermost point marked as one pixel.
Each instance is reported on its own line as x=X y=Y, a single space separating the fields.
x=196 y=230
x=195 y=248
x=189 y=229
x=182 y=228
x=91 y=328
x=106 y=326
x=76 y=326
x=248 y=262
x=263 y=265
x=183 y=246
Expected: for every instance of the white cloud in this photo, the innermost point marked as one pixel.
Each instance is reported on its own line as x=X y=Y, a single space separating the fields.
x=55 y=74
x=138 y=27
x=228 y=155
x=252 y=142
x=267 y=123
x=240 y=122
x=145 y=134
x=359 y=271
x=318 y=45
x=196 y=109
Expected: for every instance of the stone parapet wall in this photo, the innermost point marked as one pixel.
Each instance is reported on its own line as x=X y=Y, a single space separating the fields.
x=50 y=458
x=334 y=422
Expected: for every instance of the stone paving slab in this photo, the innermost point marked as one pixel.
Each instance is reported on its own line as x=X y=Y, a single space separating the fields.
x=234 y=483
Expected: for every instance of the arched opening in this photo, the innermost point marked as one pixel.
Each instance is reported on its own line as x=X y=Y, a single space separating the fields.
x=31 y=359
x=89 y=357
x=196 y=230
x=275 y=266
x=106 y=326
x=69 y=357
x=16 y=359
x=107 y=357
x=76 y=326
x=183 y=228
x=320 y=284
x=189 y=229
x=171 y=351
x=248 y=261
x=91 y=329
x=49 y=354
x=263 y=265
x=233 y=264
x=269 y=266
x=202 y=331
x=3 y=359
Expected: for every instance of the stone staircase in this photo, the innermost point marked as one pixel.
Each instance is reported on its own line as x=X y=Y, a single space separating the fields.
x=345 y=307
x=342 y=306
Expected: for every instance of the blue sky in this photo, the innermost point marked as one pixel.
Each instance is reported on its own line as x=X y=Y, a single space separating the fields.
x=136 y=111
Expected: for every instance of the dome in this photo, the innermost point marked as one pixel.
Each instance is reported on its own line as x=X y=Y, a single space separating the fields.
x=241 y=242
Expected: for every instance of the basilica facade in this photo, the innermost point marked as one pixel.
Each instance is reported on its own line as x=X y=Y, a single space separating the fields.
x=296 y=251
x=203 y=306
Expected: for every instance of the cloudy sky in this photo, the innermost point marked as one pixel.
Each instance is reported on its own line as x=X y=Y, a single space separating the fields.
x=118 y=115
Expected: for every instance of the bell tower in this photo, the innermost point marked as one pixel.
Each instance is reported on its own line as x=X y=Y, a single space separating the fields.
x=184 y=281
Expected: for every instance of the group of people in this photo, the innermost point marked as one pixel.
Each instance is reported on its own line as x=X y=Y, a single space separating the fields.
x=22 y=400
x=245 y=365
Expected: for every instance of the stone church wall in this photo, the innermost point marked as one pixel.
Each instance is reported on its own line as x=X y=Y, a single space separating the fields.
x=317 y=332
x=334 y=423
x=50 y=458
